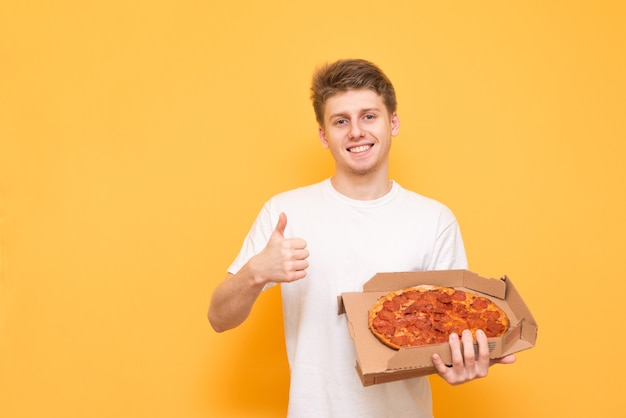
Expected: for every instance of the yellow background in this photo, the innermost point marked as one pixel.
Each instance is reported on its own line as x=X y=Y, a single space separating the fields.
x=140 y=138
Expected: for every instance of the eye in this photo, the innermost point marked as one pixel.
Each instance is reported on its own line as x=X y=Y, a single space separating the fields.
x=341 y=122
x=370 y=116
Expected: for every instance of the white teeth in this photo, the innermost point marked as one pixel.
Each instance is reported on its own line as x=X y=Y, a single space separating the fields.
x=359 y=149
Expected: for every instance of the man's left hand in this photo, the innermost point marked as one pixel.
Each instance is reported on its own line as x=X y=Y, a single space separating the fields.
x=466 y=365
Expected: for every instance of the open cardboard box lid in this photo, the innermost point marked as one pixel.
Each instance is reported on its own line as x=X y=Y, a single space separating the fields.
x=377 y=363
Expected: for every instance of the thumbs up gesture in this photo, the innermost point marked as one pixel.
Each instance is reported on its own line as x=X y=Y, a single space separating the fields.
x=282 y=259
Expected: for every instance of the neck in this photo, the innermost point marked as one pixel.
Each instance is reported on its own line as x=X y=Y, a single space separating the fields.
x=362 y=188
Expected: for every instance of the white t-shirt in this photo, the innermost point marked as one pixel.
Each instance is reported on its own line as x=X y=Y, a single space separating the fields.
x=349 y=241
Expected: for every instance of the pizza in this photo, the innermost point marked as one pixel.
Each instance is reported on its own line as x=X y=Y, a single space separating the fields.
x=426 y=314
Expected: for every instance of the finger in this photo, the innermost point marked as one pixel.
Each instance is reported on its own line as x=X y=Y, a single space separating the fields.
x=504 y=360
x=483 y=347
x=296 y=244
x=469 y=354
x=301 y=254
x=280 y=226
x=440 y=365
x=455 y=348
x=295 y=275
x=300 y=265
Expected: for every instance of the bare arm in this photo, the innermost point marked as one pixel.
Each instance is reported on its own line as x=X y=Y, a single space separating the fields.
x=282 y=260
x=232 y=300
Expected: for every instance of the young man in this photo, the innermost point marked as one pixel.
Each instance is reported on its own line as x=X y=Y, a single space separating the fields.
x=341 y=232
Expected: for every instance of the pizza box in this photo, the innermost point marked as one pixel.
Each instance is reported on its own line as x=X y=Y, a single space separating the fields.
x=377 y=363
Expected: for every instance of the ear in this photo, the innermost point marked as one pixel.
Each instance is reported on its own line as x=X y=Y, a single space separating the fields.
x=322 y=135
x=395 y=124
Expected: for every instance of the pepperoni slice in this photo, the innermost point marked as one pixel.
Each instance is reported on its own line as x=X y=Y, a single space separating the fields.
x=392 y=305
x=493 y=329
x=480 y=304
x=458 y=295
x=493 y=315
x=400 y=299
x=401 y=340
x=384 y=327
x=386 y=315
x=413 y=295
x=444 y=298
x=412 y=308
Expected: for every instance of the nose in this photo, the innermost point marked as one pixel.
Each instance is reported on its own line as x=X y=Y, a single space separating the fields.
x=356 y=131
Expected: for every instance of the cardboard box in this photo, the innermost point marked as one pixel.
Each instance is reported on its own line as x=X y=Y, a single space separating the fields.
x=377 y=363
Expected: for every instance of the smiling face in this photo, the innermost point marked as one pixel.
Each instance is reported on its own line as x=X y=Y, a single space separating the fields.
x=357 y=130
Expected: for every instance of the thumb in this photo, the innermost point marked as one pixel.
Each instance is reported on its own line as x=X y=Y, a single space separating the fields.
x=280 y=226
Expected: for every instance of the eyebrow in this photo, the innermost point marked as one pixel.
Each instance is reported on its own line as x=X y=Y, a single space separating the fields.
x=344 y=114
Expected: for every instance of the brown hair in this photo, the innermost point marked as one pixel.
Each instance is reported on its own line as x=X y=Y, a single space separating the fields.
x=349 y=74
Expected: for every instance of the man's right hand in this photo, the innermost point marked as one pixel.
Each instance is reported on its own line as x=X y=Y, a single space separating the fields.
x=282 y=259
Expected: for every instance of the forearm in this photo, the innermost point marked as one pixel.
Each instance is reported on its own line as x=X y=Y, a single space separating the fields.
x=233 y=299
x=282 y=260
